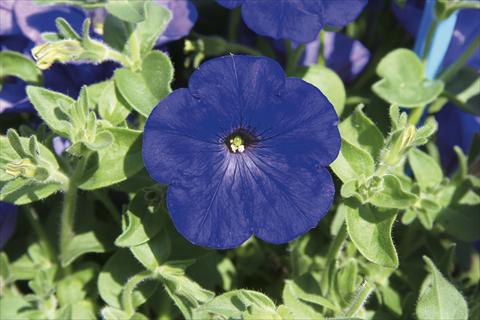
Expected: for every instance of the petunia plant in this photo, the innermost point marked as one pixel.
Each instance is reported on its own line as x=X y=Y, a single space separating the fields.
x=239 y=159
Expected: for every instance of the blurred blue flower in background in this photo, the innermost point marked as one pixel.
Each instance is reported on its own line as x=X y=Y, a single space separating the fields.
x=296 y=20
x=22 y=24
x=244 y=151
x=184 y=16
x=456 y=127
x=346 y=56
x=8 y=220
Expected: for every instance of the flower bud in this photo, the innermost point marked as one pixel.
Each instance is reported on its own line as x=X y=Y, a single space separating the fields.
x=61 y=51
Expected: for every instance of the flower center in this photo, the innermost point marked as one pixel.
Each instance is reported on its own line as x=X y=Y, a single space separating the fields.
x=239 y=141
x=236 y=144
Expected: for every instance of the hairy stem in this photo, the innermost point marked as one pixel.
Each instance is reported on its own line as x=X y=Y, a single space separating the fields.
x=238 y=48
x=416 y=115
x=69 y=206
x=132 y=283
x=332 y=256
x=359 y=300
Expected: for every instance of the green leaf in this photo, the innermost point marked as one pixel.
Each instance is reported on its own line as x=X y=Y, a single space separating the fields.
x=392 y=195
x=352 y=162
x=426 y=170
x=186 y=294
x=126 y=10
x=122 y=159
x=115 y=273
x=12 y=305
x=234 y=305
x=66 y=30
x=439 y=299
x=154 y=252
x=110 y=106
x=156 y=21
x=52 y=107
x=304 y=287
x=15 y=64
x=84 y=310
x=143 y=223
x=143 y=90
x=460 y=216
x=19 y=190
x=76 y=287
x=360 y=131
x=91 y=235
x=404 y=82
x=370 y=229
x=464 y=91
x=329 y=83
x=346 y=282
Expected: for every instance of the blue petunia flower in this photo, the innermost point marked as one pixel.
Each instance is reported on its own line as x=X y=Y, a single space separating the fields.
x=244 y=151
x=184 y=16
x=8 y=220
x=456 y=128
x=346 y=56
x=297 y=20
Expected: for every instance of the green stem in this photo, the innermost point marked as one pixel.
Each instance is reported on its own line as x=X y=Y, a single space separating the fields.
x=321 y=58
x=69 y=206
x=108 y=204
x=236 y=48
x=332 y=256
x=429 y=40
x=448 y=73
x=134 y=46
x=292 y=58
x=119 y=57
x=132 y=283
x=233 y=24
x=34 y=221
x=416 y=115
x=359 y=300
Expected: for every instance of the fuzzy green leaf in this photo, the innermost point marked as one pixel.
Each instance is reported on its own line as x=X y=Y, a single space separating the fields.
x=439 y=299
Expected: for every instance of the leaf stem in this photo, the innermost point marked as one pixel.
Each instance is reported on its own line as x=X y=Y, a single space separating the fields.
x=34 y=221
x=331 y=257
x=448 y=73
x=359 y=299
x=132 y=283
x=321 y=58
x=416 y=115
x=292 y=57
x=236 y=47
x=429 y=39
x=69 y=206
x=233 y=24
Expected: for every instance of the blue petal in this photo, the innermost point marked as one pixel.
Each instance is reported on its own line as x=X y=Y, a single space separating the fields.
x=7 y=22
x=34 y=20
x=455 y=128
x=282 y=20
x=209 y=207
x=348 y=57
x=8 y=219
x=13 y=97
x=239 y=87
x=286 y=200
x=184 y=16
x=230 y=4
x=467 y=29
x=181 y=137
x=340 y=13
x=302 y=126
